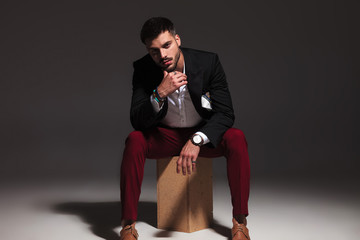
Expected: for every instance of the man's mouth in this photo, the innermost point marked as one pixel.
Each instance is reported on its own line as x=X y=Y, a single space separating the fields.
x=167 y=62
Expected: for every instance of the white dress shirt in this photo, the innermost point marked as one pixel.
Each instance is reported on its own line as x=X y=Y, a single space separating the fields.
x=181 y=112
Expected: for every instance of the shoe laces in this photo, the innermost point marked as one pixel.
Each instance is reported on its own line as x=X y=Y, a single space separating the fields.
x=132 y=231
x=239 y=228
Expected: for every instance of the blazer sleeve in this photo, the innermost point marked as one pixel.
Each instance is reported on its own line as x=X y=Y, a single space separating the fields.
x=222 y=117
x=142 y=114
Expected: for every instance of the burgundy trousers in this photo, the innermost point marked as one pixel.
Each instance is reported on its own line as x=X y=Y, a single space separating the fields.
x=164 y=142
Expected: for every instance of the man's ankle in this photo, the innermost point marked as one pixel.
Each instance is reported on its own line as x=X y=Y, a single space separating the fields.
x=241 y=219
x=126 y=222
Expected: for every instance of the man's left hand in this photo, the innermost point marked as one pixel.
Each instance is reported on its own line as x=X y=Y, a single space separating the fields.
x=187 y=158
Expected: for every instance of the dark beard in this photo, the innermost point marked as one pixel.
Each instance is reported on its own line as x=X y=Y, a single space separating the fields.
x=176 y=60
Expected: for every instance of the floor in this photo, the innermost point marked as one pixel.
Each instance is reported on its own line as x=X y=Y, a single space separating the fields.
x=90 y=210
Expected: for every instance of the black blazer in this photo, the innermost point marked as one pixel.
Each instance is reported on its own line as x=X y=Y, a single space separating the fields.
x=204 y=74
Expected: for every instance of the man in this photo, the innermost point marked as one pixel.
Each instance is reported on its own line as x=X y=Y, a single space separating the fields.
x=181 y=105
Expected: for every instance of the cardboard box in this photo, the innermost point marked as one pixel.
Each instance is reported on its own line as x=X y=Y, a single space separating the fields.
x=184 y=203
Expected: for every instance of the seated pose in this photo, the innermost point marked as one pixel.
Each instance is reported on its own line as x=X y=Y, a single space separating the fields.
x=181 y=105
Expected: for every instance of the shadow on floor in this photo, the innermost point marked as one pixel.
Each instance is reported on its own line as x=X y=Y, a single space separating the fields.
x=104 y=217
x=218 y=228
x=221 y=229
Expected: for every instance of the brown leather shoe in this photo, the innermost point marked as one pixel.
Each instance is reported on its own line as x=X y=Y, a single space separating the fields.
x=239 y=231
x=129 y=233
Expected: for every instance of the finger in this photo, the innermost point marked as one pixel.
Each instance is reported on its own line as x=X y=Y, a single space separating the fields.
x=184 y=166
x=179 y=75
x=193 y=166
x=188 y=165
x=180 y=82
x=179 y=165
x=181 y=79
x=165 y=73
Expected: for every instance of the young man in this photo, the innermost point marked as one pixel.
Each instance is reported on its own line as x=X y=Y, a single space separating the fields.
x=181 y=105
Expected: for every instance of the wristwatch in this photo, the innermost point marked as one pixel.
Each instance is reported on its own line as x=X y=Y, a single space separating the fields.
x=197 y=140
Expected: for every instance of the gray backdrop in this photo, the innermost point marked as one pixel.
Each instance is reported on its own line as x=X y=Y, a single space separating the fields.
x=66 y=69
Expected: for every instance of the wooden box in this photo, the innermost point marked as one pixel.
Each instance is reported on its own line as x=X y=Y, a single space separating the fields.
x=184 y=203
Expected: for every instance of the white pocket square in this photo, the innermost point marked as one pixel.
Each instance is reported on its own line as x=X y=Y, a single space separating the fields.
x=206 y=101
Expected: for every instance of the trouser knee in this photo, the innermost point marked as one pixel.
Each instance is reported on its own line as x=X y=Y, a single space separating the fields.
x=135 y=148
x=234 y=139
x=135 y=137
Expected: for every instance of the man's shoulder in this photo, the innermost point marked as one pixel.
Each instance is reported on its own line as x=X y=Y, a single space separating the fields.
x=199 y=58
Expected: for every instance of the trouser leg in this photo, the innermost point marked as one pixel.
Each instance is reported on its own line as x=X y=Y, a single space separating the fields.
x=234 y=147
x=157 y=143
x=162 y=142
x=132 y=173
x=238 y=170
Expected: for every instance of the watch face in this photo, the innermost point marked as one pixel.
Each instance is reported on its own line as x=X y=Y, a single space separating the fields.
x=197 y=139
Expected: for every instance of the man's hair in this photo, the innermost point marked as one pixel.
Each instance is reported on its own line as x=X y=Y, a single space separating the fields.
x=154 y=26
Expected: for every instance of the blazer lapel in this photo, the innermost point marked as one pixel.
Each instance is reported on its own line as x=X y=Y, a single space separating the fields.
x=194 y=77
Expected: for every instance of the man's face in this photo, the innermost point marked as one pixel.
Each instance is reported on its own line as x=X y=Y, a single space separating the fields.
x=165 y=51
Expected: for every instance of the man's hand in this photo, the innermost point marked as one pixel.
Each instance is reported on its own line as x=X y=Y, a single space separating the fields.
x=188 y=155
x=171 y=82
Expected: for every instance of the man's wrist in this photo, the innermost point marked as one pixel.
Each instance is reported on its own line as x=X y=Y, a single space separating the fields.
x=197 y=140
x=157 y=97
x=161 y=92
x=206 y=139
x=157 y=106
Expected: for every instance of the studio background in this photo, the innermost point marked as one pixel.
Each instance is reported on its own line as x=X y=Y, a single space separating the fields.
x=66 y=70
x=65 y=92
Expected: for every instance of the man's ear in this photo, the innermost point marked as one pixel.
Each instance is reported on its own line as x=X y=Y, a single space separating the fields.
x=178 y=40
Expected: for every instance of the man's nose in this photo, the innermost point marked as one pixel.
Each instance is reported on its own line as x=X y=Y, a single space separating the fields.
x=163 y=53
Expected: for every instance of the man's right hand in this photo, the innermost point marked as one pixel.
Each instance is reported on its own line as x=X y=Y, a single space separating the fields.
x=171 y=82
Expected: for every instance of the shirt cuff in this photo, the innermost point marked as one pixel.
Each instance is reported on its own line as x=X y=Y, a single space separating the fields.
x=155 y=104
x=204 y=137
